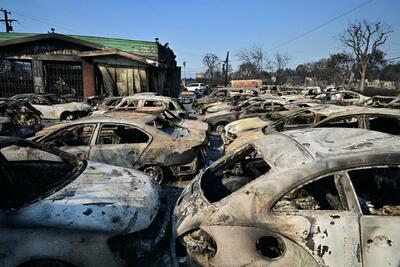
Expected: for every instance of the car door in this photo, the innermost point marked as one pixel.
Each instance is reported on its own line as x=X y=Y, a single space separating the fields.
x=119 y=144
x=43 y=105
x=378 y=193
x=350 y=121
x=299 y=120
x=319 y=216
x=74 y=139
x=254 y=110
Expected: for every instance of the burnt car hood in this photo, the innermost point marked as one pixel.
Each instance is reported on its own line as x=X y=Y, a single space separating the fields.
x=197 y=125
x=214 y=115
x=247 y=124
x=102 y=198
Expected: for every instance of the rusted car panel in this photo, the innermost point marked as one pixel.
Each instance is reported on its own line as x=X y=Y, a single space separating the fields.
x=133 y=140
x=61 y=205
x=296 y=200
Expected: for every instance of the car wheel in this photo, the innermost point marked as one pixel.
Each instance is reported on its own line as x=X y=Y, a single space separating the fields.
x=156 y=172
x=67 y=116
x=220 y=128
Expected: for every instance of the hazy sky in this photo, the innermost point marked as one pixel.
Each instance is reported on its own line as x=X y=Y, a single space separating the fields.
x=194 y=28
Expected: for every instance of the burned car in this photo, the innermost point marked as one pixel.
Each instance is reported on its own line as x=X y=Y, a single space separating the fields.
x=344 y=98
x=230 y=102
x=158 y=103
x=54 y=107
x=189 y=124
x=59 y=210
x=132 y=140
x=377 y=119
x=310 y=197
x=187 y=97
x=236 y=128
x=248 y=109
x=201 y=105
x=18 y=118
x=108 y=103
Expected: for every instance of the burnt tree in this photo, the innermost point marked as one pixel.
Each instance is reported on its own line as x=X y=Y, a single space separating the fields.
x=364 y=38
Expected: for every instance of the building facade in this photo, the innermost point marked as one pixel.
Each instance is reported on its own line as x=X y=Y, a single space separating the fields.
x=77 y=67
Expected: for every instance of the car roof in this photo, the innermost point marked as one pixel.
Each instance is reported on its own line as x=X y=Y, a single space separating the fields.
x=354 y=110
x=149 y=97
x=128 y=117
x=285 y=150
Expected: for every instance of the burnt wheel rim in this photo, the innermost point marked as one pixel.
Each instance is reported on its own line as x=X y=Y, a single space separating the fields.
x=220 y=129
x=156 y=172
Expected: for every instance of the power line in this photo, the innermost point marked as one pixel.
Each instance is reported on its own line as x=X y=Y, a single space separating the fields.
x=321 y=25
x=48 y=23
x=8 y=22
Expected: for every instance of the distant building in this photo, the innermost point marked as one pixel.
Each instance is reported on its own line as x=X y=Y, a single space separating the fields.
x=246 y=83
x=77 y=67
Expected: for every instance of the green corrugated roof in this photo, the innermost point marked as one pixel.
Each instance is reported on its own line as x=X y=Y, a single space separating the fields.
x=5 y=36
x=131 y=46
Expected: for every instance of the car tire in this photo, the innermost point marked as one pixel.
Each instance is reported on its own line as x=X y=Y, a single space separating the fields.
x=66 y=116
x=156 y=172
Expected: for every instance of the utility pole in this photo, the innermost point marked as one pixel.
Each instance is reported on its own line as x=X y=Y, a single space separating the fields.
x=226 y=68
x=7 y=22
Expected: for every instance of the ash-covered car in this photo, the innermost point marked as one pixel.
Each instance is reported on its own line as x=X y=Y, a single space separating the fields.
x=310 y=197
x=187 y=97
x=150 y=101
x=133 y=140
x=107 y=103
x=59 y=210
x=230 y=102
x=54 y=107
x=18 y=118
x=247 y=109
x=378 y=119
x=345 y=98
x=189 y=124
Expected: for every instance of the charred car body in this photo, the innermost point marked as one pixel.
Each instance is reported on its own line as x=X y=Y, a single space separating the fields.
x=221 y=95
x=377 y=119
x=311 y=197
x=344 y=98
x=247 y=109
x=159 y=103
x=54 y=107
x=132 y=140
x=59 y=210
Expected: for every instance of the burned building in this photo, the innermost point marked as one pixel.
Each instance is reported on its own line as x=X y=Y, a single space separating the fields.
x=77 y=67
